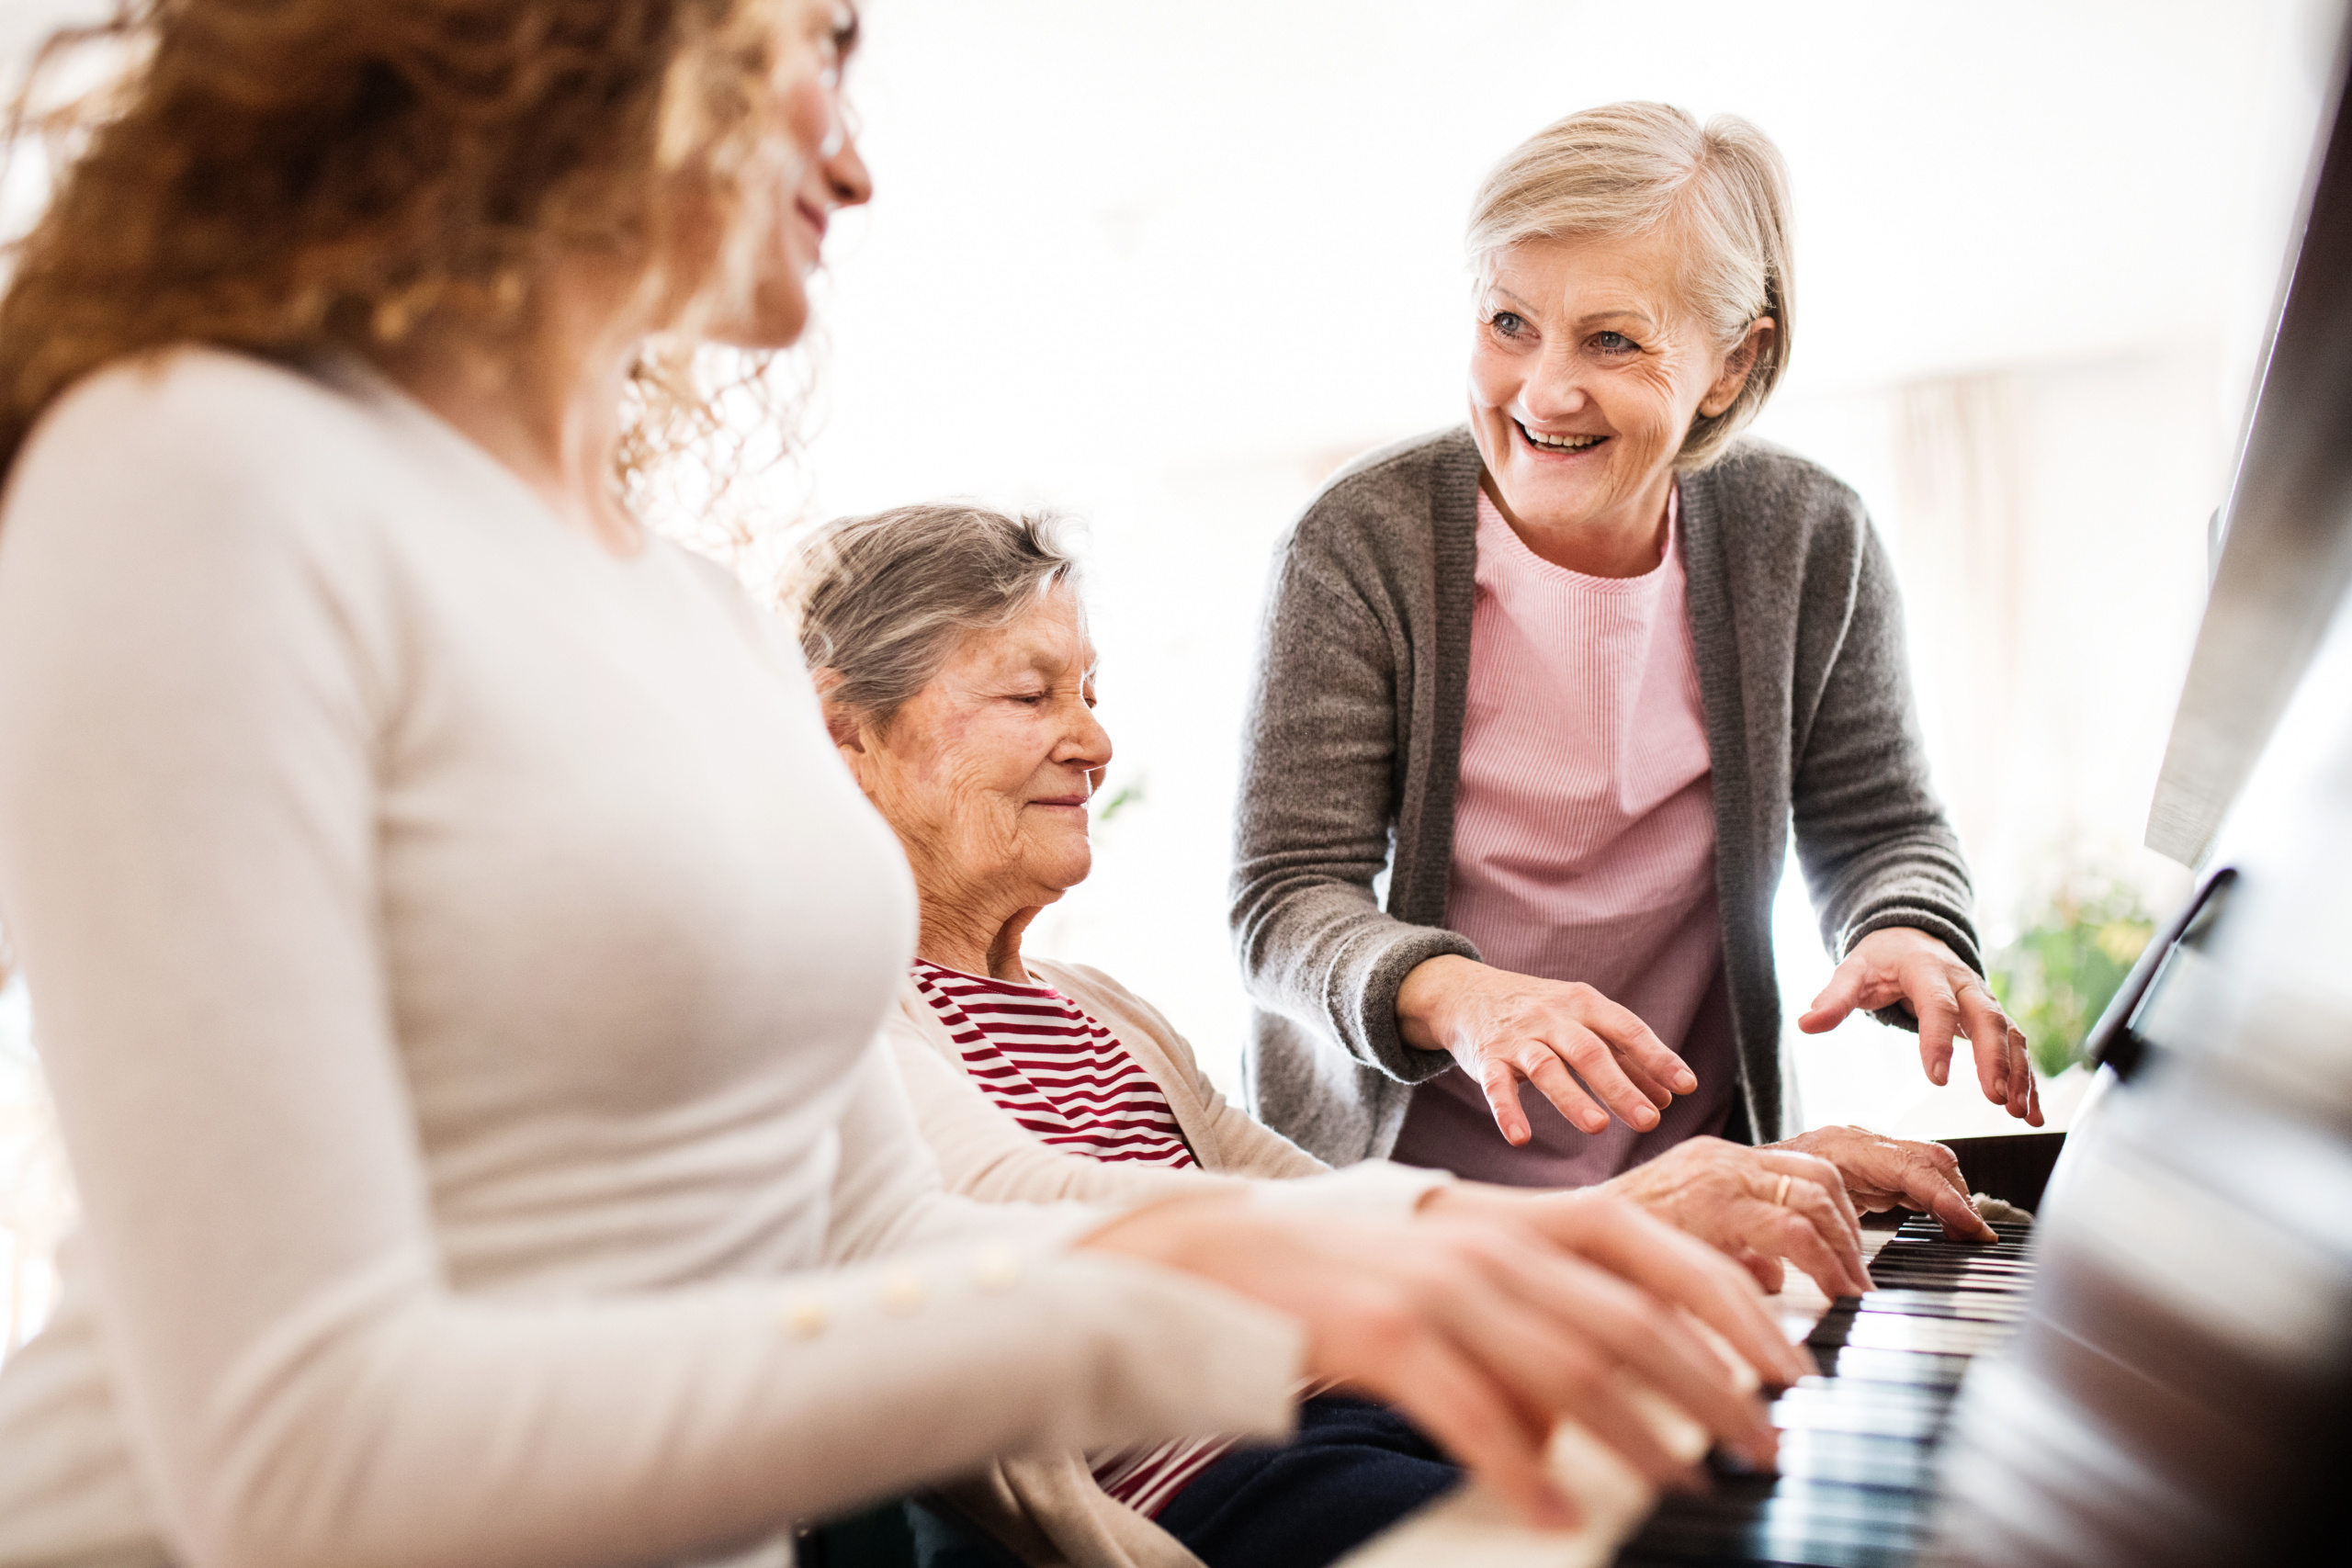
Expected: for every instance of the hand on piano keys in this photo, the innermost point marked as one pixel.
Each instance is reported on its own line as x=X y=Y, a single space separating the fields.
x=1854 y=1484
x=1486 y=1329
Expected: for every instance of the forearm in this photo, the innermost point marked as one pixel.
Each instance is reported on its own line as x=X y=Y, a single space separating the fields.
x=413 y=1429
x=1876 y=847
x=1313 y=822
x=1914 y=878
x=1324 y=955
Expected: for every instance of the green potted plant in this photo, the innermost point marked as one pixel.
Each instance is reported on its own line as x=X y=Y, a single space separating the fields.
x=2060 y=972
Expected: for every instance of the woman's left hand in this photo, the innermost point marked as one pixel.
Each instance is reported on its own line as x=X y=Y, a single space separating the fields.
x=1881 y=1173
x=1755 y=1206
x=1902 y=964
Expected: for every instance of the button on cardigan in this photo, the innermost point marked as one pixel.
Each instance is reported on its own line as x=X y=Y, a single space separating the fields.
x=1343 y=835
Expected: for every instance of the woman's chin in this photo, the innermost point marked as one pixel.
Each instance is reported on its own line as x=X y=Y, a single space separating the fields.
x=773 y=320
x=1548 y=499
x=1060 y=868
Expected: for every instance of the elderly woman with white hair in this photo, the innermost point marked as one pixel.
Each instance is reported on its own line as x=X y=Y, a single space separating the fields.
x=1541 y=696
x=953 y=651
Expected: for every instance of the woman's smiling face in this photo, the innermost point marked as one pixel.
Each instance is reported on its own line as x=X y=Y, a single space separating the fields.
x=1586 y=371
x=816 y=169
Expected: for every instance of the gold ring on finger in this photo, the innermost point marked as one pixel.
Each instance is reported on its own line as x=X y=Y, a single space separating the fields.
x=1781 y=1193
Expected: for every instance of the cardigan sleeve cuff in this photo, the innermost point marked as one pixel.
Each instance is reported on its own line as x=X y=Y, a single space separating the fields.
x=1371 y=1010
x=1958 y=937
x=1372 y=1189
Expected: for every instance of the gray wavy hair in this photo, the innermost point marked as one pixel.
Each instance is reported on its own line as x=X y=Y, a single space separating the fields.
x=884 y=601
x=1625 y=169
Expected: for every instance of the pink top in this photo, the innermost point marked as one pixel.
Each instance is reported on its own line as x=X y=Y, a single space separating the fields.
x=1584 y=843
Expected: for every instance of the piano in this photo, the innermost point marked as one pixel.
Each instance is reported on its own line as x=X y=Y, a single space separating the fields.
x=2157 y=1374
x=1857 y=1484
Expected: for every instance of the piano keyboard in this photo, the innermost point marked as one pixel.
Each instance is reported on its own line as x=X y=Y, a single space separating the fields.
x=1855 y=1486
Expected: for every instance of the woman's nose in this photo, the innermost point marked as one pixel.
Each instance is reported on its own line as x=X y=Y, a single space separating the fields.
x=1555 y=389
x=846 y=175
x=1087 y=744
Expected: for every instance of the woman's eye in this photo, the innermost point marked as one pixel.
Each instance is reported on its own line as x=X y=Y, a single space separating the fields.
x=1509 y=324
x=1614 y=342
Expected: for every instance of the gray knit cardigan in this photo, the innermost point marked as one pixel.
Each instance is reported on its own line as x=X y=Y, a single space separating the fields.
x=1345 y=828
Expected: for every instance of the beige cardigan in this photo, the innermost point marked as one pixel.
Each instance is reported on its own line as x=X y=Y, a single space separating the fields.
x=1049 y=1510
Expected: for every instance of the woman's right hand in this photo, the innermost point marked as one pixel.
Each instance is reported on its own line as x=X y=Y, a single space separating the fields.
x=1484 y=1333
x=1504 y=1028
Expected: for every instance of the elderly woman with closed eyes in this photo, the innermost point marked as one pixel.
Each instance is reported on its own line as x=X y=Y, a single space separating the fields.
x=953 y=655
x=1542 y=697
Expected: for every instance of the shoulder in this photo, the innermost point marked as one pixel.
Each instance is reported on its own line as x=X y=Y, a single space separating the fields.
x=915 y=1024
x=1390 y=491
x=1371 y=532
x=1109 y=1001
x=712 y=581
x=1402 y=471
x=1771 y=482
x=203 y=412
x=218 y=448
x=1783 y=538
x=1082 y=983
x=1763 y=489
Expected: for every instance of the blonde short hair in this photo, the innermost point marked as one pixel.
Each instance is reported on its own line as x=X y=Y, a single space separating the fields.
x=1626 y=169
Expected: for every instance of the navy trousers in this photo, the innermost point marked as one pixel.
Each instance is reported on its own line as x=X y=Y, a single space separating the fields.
x=1354 y=1469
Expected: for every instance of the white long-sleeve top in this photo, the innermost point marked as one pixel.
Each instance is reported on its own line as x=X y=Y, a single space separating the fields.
x=457 y=957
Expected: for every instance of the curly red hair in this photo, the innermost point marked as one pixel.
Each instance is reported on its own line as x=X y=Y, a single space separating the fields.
x=283 y=177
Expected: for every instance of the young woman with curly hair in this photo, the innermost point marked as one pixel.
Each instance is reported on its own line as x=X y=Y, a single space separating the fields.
x=459 y=952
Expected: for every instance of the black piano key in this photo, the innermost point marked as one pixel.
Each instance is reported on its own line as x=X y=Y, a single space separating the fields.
x=1858 y=1444
x=1858 y=1459
x=1923 y=1225
x=1641 y=1554
x=1968 y=1307
x=1992 y=1270
x=1890 y=1332
x=1819 y=1524
x=1863 y=1420
x=2016 y=1269
x=1926 y=1368
x=2020 y=1268
x=1842 y=1393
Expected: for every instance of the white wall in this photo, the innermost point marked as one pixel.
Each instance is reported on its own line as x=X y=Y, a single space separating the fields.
x=1165 y=266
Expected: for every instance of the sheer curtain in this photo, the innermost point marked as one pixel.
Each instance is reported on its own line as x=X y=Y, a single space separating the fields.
x=1959 y=531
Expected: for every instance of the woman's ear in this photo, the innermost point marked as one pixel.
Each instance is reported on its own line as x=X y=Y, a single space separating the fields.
x=855 y=743
x=1738 y=365
x=841 y=720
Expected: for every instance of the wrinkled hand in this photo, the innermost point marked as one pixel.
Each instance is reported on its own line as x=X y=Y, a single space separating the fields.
x=1481 y=1334
x=1902 y=964
x=1896 y=1173
x=1505 y=1029
x=1731 y=1198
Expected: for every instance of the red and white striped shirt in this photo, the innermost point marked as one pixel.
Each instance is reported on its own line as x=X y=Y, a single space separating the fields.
x=1053 y=1068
